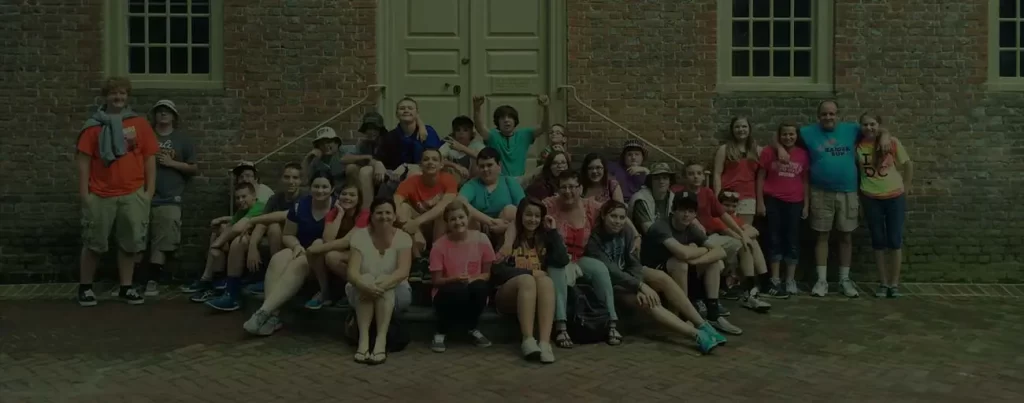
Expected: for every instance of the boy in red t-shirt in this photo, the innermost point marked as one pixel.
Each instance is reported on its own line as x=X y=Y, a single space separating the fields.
x=116 y=162
x=729 y=199
x=737 y=244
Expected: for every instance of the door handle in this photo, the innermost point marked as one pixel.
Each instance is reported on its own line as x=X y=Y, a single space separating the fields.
x=457 y=90
x=465 y=60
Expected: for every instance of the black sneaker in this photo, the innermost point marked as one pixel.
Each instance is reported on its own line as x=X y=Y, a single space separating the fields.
x=733 y=293
x=87 y=298
x=722 y=311
x=131 y=296
x=778 y=290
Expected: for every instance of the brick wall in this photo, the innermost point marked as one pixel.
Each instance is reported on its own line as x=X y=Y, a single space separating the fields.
x=649 y=64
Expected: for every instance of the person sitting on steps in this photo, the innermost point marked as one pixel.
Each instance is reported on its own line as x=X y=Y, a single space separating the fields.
x=333 y=254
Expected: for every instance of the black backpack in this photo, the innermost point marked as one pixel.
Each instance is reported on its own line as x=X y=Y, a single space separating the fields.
x=588 y=316
x=398 y=336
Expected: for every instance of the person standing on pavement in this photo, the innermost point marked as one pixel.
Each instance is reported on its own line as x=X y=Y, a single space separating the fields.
x=116 y=161
x=176 y=165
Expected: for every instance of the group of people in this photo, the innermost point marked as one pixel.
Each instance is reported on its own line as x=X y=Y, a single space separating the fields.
x=493 y=230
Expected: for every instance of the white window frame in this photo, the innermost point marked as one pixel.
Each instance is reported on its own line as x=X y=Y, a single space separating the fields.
x=822 y=74
x=995 y=82
x=115 y=52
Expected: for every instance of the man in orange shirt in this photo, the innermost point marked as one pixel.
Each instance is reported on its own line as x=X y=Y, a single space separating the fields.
x=421 y=200
x=116 y=162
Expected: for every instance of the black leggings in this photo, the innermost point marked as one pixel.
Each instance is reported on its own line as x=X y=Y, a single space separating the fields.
x=460 y=303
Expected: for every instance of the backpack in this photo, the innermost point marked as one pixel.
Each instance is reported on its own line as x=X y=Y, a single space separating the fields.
x=588 y=317
x=398 y=336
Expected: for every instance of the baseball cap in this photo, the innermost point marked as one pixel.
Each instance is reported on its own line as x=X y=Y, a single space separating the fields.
x=325 y=133
x=243 y=165
x=166 y=103
x=685 y=200
x=660 y=168
x=372 y=120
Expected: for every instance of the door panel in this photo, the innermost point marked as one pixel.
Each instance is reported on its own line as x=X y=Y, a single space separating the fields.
x=429 y=56
x=509 y=58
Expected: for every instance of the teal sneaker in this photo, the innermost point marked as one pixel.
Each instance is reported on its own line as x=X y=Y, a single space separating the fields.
x=708 y=338
x=882 y=291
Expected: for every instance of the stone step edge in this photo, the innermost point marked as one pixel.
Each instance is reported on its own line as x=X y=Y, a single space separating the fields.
x=953 y=290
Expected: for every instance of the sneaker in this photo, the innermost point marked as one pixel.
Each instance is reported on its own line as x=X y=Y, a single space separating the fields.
x=437 y=345
x=132 y=297
x=722 y=311
x=115 y=291
x=701 y=309
x=225 y=302
x=152 y=289
x=272 y=325
x=220 y=284
x=778 y=290
x=203 y=295
x=195 y=286
x=479 y=339
x=531 y=350
x=753 y=303
x=722 y=324
x=882 y=291
x=255 y=288
x=733 y=293
x=894 y=292
x=706 y=340
x=317 y=302
x=87 y=298
x=820 y=289
x=849 y=288
x=256 y=322
x=792 y=288
x=714 y=333
x=547 y=354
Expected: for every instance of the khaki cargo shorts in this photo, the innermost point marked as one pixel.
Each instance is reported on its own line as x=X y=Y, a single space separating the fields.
x=165 y=227
x=731 y=246
x=127 y=216
x=834 y=210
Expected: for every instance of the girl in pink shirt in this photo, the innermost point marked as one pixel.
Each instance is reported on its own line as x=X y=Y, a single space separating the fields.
x=782 y=197
x=460 y=264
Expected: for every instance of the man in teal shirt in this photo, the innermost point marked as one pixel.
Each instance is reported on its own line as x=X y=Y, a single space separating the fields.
x=511 y=141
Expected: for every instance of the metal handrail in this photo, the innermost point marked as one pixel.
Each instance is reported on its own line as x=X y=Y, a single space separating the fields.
x=621 y=127
x=231 y=182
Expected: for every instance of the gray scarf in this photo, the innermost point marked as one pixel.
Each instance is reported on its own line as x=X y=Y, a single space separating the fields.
x=112 y=145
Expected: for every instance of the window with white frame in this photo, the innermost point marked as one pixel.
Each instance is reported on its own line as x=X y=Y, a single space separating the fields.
x=774 y=45
x=1006 y=44
x=166 y=43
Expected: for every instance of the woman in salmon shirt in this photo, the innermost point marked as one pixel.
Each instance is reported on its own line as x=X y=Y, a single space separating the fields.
x=460 y=264
x=736 y=164
x=596 y=182
x=333 y=254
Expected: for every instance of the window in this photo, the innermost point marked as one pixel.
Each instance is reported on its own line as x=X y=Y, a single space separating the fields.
x=1006 y=45
x=774 y=45
x=170 y=44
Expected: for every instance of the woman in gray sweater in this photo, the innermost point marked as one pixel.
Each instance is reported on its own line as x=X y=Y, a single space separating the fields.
x=609 y=247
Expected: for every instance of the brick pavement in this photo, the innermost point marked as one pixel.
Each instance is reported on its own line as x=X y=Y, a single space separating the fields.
x=865 y=350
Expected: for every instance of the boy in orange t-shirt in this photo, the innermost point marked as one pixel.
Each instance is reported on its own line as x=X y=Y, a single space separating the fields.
x=116 y=163
x=421 y=200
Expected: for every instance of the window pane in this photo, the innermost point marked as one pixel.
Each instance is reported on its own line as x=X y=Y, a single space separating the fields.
x=762 y=63
x=179 y=60
x=741 y=63
x=200 y=30
x=762 y=8
x=158 y=60
x=200 y=6
x=740 y=8
x=1008 y=63
x=136 y=29
x=802 y=8
x=741 y=33
x=1021 y=65
x=137 y=6
x=780 y=63
x=157 y=30
x=157 y=6
x=179 y=6
x=781 y=37
x=1008 y=8
x=1007 y=34
x=781 y=9
x=802 y=63
x=179 y=29
x=137 y=60
x=802 y=34
x=762 y=33
x=200 y=60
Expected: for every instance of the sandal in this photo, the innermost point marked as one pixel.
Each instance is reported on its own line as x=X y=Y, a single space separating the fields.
x=562 y=340
x=374 y=360
x=361 y=357
x=614 y=337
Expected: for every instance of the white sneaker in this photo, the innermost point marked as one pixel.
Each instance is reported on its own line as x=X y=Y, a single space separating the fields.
x=531 y=350
x=115 y=291
x=791 y=288
x=751 y=302
x=152 y=289
x=820 y=289
x=849 y=288
x=547 y=356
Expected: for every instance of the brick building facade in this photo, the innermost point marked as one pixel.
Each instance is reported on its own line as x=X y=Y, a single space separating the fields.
x=939 y=72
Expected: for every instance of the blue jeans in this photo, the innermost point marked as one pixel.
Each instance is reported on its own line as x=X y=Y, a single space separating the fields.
x=783 y=229
x=885 y=219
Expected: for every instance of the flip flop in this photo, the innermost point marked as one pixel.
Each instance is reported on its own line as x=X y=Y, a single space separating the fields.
x=373 y=360
x=361 y=357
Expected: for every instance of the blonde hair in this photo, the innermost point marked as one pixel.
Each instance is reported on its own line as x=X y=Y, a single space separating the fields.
x=454 y=206
x=732 y=152
x=115 y=83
